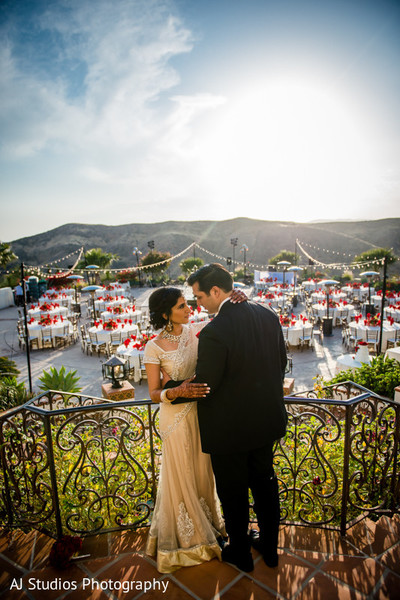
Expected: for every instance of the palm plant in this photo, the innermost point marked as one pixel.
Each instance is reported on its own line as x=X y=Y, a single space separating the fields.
x=60 y=381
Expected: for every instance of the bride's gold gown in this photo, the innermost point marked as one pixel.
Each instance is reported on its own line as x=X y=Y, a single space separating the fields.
x=187 y=516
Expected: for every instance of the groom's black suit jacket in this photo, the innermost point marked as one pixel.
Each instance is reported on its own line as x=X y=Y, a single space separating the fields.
x=242 y=358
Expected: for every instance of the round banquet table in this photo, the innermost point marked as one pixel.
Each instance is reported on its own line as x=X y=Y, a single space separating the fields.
x=62 y=299
x=336 y=296
x=131 y=354
x=133 y=315
x=275 y=302
x=349 y=361
x=112 y=290
x=35 y=330
x=392 y=311
x=104 y=304
x=360 y=293
x=393 y=353
x=387 y=331
x=61 y=291
x=320 y=311
x=36 y=313
x=104 y=335
x=295 y=332
x=377 y=300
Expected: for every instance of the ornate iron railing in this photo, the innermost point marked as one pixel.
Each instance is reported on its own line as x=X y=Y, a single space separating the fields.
x=84 y=465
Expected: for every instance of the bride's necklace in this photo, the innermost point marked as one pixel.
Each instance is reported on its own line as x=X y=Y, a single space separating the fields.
x=171 y=337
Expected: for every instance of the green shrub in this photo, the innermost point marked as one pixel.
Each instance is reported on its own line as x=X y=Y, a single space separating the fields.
x=59 y=380
x=380 y=376
x=12 y=393
x=7 y=367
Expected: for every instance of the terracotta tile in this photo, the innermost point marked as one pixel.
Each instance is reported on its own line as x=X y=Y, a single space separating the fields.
x=95 y=545
x=287 y=578
x=360 y=573
x=129 y=541
x=390 y=588
x=360 y=536
x=19 y=548
x=208 y=579
x=307 y=538
x=47 y=576
x=315 y=558
x=285 y=536
x=321 y=586
x=6 y=536
x=16 y=595
x=43 y=544
x=344 y=545
x=247 y=589
x=391 y=559
x=98 y=564
x=173 y=592
x=7 y=573
x=88 y=594
x=130 y=568
x=384 y=538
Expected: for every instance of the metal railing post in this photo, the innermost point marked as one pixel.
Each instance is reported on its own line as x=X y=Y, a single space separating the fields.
x=346 y=470
x=53 y=476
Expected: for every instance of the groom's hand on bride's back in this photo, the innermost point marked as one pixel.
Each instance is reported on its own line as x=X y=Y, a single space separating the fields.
x=186 y=391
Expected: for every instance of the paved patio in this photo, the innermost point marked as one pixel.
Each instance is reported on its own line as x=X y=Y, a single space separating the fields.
x=314 y=563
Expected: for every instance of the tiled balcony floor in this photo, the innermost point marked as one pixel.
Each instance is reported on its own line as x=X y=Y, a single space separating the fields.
x=314 y=565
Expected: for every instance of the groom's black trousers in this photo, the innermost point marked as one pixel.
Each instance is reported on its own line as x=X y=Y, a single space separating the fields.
x=234 y=474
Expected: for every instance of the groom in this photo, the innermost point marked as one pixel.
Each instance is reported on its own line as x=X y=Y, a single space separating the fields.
x=242 y=358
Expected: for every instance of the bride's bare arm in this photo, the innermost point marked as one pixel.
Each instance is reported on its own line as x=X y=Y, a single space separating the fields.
x=185 y=389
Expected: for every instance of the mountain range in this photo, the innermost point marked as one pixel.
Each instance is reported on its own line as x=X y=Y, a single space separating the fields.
x=328 y=242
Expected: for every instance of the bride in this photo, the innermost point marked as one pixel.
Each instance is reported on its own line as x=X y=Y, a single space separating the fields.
x=187 y=521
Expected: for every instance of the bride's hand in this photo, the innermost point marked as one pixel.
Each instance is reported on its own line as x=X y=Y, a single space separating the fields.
x=238 y=296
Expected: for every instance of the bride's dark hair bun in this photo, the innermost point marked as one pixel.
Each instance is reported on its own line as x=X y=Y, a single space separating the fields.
x=161 y=303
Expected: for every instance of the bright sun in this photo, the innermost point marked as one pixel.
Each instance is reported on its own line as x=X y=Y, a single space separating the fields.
x=290 y=142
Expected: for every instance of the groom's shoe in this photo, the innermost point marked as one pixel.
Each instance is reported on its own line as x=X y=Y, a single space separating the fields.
x=242 y=560
x=271 y=558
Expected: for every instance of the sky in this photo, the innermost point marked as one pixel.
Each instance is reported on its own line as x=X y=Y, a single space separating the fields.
x=144 y=111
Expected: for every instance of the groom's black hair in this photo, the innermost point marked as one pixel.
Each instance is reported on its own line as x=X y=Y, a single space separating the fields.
x=210 y=275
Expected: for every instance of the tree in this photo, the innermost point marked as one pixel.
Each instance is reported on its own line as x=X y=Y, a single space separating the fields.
x=152 y=258
x=96 y=256
x=373 y=255
x=6 y=254
x=188 y=265
x=283 y=255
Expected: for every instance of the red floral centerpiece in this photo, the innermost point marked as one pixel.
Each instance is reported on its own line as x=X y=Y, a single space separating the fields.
x=117 y=310
x=372 y=320
x=110 y=325
x=286 y=321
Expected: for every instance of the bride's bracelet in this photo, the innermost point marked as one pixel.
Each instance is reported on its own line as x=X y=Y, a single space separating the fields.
x=164 y=397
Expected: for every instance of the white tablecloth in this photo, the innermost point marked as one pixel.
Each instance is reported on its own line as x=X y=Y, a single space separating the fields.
x=134 y=315
x=392 y=311
x=336 y=296
x=295 y=332
x=36 y=313
x=360 y=293
x=6 y=297
x=104 y=304
x=377 y=300
x=65 y=291
x=104 y=335
x=348 y=361
x=35 y=330
x=62 y=299
x=320 y=311
x=132 y=356
x=387 y=332
x=113 y=290
x=393 y=353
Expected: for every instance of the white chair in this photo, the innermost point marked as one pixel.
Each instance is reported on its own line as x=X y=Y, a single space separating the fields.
x=95 y=344
x=47 y=338
x=306 y=338
x=373 y=340
x=393 y=341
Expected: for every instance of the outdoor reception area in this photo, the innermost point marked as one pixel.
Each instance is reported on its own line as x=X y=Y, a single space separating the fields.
x=200 y=300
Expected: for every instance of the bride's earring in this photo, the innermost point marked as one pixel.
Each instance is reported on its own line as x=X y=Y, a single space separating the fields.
x=169 y=327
